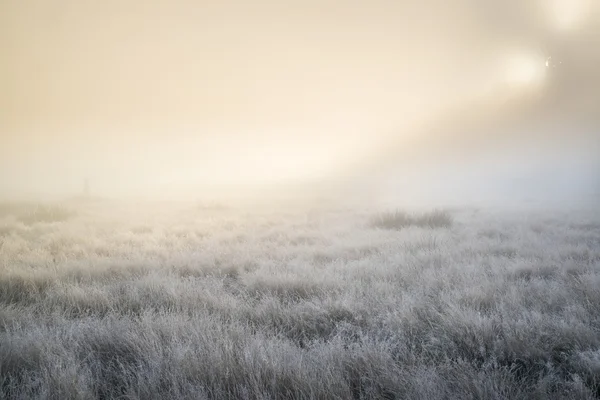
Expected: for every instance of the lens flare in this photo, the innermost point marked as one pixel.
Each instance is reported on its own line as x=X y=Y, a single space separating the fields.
x=567 y=15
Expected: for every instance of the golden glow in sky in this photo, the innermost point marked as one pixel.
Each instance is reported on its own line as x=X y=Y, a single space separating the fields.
x=133 y=94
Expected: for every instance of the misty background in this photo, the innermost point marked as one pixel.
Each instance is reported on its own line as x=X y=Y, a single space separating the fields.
x=438 y=99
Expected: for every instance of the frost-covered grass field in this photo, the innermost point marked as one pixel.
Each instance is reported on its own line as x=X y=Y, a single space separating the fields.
x=183 y=301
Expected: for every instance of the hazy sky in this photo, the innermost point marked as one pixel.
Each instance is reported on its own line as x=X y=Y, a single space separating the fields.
x=138 y=94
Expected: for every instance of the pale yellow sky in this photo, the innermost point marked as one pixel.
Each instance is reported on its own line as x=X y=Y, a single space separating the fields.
x=139 y=93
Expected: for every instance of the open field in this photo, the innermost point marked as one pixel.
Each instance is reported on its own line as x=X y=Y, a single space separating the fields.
x=183 y=301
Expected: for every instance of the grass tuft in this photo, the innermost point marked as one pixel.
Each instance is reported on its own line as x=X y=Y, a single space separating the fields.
x=399 y=219
x=33 y=213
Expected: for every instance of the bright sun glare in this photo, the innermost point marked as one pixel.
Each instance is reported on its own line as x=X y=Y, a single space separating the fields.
x=524 y=69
